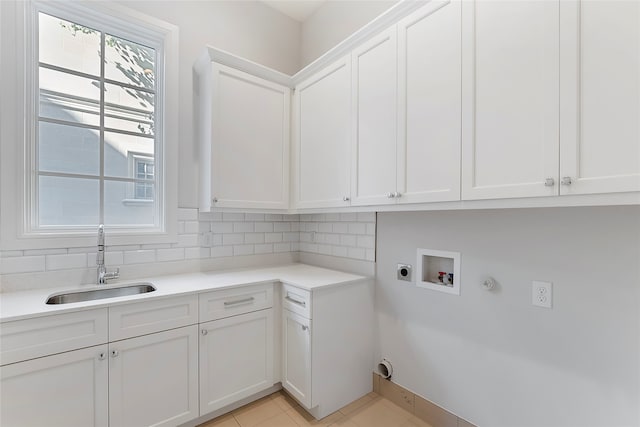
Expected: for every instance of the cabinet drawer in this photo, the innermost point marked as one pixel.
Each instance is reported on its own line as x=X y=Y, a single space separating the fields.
x=296 y=300
x=231 y=302
x=41 y=336
x=131 y=320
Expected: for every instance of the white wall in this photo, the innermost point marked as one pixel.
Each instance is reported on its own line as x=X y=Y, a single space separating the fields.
x=493 y=358
x=335 y=21
x=249 y=29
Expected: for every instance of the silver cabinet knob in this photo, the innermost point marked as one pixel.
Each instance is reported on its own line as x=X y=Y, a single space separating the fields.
x=549 y=182
x=305 y=327
x=114 y=353
x=566 y=180
x=102 y=356
x=346 y=198
x=204 y=332
x=214 y=200
x=397 y=194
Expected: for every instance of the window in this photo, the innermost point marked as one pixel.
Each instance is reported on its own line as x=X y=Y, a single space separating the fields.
x=97 y=99
x=96 y=86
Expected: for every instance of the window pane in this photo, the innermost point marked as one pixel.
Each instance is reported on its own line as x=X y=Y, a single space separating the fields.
x=68 y=201
x=68 y=45
x=69 y=149
x=129 y=109
x=129 y=62
x=121 y=207
x=120 y=151
x=67 y=97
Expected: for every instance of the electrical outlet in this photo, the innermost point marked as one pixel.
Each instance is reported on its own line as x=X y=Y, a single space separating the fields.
x=542 y=294
x=404 y=272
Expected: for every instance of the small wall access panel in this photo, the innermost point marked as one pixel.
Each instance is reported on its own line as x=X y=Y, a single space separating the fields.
x=438 y=270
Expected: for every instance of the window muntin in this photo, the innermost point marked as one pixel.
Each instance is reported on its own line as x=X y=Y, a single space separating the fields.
x=97 y=105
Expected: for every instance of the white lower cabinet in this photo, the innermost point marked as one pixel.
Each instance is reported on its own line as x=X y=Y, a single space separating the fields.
x=236 y=358
x=63 y=390
x=153 y=379
x=296 y=372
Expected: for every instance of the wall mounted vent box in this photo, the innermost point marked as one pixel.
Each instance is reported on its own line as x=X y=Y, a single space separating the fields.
x=438 y=270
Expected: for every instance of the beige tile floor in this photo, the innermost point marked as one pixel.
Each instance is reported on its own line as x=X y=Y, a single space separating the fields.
x=279 y=410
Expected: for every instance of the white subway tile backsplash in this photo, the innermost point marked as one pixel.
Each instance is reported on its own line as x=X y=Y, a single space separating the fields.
x=273 y=237
x=282 y=226
x=35 y=252
x=367 y=242
x=139 y=257
x=213 y=235
x=243 y=227
x=22 y=264
x=264 y=249
x=222 y=227
x=191 y=227
x=254 y=238
x=196 y=253
x=232 y=216
x=340 y=227
x=348 y=240
x=263 y=227
x=239 y=250
x=357 y=228
x=173 y=254
x=221 y=251
x=232 y=239
x=187 y=214
x=65 y=262
x=254 y=217
x=282 y=247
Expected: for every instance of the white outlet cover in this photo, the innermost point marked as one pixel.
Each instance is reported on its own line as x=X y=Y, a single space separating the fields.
x=542 y=294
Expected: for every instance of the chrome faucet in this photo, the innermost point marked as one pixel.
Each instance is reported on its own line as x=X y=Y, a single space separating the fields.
x=102 y=273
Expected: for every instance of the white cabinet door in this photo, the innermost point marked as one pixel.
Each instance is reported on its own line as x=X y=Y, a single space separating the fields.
x=250 y=141
x=322 y=147
x=296 y=353
x=236 y=358
x=510 y=99
x=373 y=168
x=600 y=96
x=429 y=104
x=64 y=390
x=153 y=379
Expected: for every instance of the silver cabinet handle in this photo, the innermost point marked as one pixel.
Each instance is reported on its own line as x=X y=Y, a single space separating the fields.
x=566 y=180
x=396 y=194
x=305 y=327
x=102 y=356
x=295 y=301
x=549 y=182
x=114 y=353
x=391 y=195
x=240 y=301
x=346 y=199
x=204 y=332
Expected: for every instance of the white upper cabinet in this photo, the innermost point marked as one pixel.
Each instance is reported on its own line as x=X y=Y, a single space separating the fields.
x=600 y=96
x=510 y=90
x=373 y=166
x=322 y=135
x=244 y=132
x=429 y=106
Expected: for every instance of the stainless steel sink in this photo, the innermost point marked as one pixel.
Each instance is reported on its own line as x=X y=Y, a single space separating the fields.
x=68 y=297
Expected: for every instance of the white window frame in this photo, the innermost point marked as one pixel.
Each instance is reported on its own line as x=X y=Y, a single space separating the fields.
x=19 y=119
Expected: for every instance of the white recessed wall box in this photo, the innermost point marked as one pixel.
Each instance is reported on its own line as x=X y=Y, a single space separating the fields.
x=438 y=270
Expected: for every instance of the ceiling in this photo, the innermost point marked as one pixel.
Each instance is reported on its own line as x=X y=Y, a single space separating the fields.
x=299 y=10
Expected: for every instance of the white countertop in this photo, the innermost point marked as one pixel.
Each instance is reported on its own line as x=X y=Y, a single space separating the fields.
x=26 y=304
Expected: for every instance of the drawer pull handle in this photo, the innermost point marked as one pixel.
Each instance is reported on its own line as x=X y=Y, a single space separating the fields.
x=295 y=301
x=102 y=356
x=240 y=301
x=114 y=353
x=204 y=332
